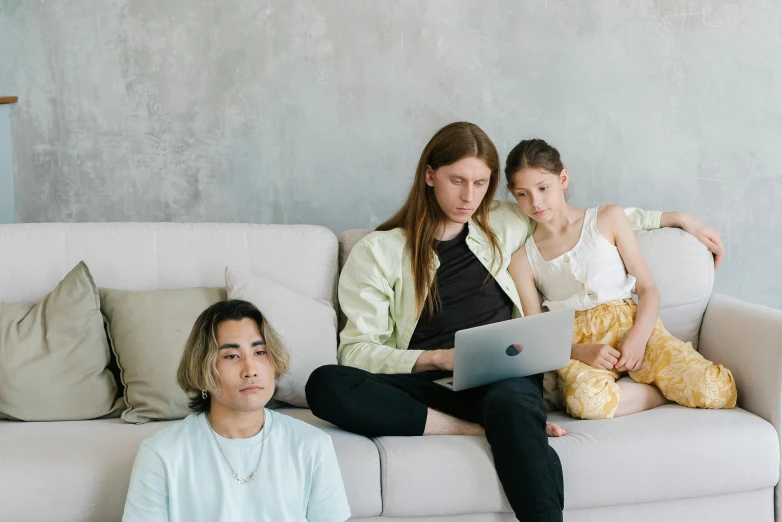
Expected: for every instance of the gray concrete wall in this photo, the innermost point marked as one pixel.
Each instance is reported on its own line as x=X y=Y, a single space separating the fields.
x=316 y=112
x=6 y=172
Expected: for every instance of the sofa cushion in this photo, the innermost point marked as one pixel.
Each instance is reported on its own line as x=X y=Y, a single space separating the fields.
x=287 y=311
x=359 y=464
x=148 y=331
x=54 y=355
x=667 y=453
x=68 y=471
x=80 y=471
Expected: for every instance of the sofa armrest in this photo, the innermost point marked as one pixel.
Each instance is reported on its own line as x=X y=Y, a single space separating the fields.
x=747 y=339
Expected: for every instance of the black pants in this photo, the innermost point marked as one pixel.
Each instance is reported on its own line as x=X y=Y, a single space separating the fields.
x=511 y=411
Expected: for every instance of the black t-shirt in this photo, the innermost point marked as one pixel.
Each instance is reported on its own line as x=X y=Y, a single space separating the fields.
x=469 y=295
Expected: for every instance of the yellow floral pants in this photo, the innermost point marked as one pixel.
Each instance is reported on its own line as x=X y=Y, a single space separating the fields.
x=681 y=373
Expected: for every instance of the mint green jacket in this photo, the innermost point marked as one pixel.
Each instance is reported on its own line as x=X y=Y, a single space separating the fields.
x=377 y=292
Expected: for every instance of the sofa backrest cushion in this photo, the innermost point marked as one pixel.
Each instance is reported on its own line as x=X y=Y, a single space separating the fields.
x=152 y=256
x=160 y=256
x=682 y=268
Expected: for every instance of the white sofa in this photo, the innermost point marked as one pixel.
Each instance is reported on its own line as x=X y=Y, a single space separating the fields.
x=666 y=464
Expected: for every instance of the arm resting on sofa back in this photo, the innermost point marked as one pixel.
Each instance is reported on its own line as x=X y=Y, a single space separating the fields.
x=747 y=339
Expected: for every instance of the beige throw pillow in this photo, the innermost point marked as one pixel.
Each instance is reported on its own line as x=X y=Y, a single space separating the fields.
x=148 y=331
x=308 y=328
x=54 y=355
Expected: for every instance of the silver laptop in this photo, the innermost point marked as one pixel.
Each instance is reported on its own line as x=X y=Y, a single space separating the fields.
x=490 y=353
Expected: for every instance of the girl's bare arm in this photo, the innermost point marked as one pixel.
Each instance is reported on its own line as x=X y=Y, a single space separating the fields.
x=521 y=272
x=613 y=222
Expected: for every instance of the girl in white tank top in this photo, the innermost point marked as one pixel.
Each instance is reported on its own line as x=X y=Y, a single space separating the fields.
x=589 y=260
x=590 y=274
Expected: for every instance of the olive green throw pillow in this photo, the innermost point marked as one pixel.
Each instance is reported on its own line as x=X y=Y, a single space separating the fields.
x=147 y=331
x=54 y=354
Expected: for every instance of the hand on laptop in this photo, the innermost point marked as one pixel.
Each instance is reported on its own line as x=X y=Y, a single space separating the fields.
x=434 y=360
x=444 y=359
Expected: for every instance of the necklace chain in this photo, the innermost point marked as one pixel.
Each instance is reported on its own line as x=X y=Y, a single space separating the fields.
x=251 y=477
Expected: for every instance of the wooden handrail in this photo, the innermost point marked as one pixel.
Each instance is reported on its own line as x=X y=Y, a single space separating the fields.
x=8 y=99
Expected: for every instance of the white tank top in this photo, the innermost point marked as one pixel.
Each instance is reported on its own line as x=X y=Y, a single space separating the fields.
x=590 y=274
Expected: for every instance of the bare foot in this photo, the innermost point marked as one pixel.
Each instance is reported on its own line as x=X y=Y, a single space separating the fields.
x=554 y=430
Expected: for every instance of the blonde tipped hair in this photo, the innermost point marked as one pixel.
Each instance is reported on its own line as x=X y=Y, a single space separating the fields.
x=198 y=367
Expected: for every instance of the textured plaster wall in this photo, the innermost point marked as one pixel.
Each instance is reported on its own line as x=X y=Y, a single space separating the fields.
x=6 y=172
x=316 y=112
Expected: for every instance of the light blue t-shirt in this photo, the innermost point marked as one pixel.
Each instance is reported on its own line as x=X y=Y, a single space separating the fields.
x=181 y=476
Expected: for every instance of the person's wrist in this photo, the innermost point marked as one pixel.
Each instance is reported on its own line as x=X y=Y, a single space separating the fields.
x=423 y=363
x=685 y=221
x=641 y=329
x=438 y=360
x=674 y=219
x=433 y=358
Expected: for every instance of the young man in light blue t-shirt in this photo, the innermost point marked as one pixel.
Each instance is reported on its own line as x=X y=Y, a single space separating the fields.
x=233 y=459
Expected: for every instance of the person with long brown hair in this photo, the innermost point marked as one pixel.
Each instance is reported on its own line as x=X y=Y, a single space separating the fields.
x=439 y=265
